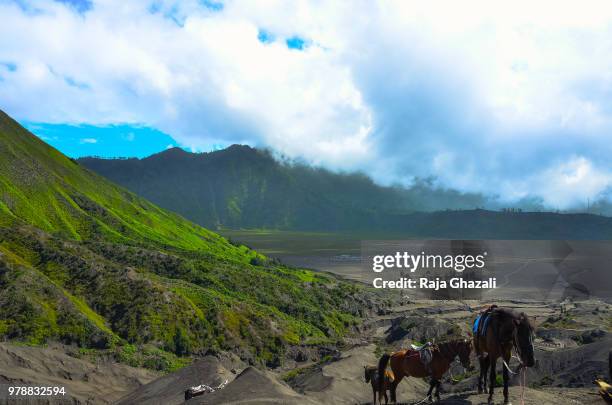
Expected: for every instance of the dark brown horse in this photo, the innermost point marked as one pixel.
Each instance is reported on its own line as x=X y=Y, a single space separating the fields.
x=407 y=363
x=506 y=330
x=371 y=376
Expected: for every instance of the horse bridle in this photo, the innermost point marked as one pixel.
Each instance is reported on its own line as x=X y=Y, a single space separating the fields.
x=517 y=346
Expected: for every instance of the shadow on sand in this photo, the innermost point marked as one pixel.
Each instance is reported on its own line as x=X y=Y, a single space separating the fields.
x=455 y=399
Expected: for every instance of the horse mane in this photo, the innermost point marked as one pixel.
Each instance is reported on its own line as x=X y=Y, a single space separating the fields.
x=512 y=314
x=450 y=344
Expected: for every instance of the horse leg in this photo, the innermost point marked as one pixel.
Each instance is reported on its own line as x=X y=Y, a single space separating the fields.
x=374 y=392
x=432 y=383
x=492 y=375
x=386 y=398
x=480 y=376
x=438 y=383
x=506 y=375
x=394 y=385
x=487 y=365
x=484 y=370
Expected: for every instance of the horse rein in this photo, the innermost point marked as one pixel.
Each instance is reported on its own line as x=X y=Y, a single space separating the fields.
x=521 y=368
x=517 y=347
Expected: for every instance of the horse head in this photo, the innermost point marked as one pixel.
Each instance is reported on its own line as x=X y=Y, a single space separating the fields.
x=523 y=339
x=464 y=349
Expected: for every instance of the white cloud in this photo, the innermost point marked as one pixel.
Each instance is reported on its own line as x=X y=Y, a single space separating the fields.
x=89 y=140
x=486 y=96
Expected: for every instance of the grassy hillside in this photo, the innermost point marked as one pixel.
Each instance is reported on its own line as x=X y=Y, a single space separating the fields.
x=88 y=263
x=44 y=188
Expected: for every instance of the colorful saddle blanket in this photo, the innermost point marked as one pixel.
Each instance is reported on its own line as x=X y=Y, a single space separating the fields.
x=481 y=323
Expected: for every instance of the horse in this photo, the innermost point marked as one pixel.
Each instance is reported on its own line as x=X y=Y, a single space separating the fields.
x=506 y=329
x=371 y=376
x=407 y=363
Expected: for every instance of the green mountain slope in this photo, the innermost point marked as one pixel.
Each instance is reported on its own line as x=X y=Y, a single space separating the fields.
x=86 y=262
x=42 y=187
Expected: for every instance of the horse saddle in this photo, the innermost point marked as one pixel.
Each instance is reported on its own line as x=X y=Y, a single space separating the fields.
x=421 y=347
x=481 y=323
x=425 y=354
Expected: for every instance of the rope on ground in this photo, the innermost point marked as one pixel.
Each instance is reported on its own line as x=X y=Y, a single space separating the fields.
x=523 y=381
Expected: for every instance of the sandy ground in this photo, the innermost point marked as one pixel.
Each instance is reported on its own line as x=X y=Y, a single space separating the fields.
x=561 y=359
x=342 y=382
x=84 y=381
x=170 y=389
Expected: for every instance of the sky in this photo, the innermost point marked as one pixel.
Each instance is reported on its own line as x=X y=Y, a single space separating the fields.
x=509 y=99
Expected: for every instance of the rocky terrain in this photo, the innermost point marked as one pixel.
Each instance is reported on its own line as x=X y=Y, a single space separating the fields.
x=572 y=345
x=568 y=360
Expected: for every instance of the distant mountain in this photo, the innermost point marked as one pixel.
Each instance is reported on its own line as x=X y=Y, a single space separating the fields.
x=242 y=187
x=86 y=262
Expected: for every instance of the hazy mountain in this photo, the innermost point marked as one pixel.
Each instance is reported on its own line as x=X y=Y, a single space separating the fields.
x=242 y=187
x=86 y=262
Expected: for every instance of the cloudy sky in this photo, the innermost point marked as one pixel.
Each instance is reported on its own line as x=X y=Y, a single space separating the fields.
x=509 y=99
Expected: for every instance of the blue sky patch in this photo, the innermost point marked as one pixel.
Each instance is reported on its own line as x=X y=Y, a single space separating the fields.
x=212 y=5
x=154 y=8
x=74 y=83
x=10 y=66
x=121 y=140
x=265 y=37
x=81 y=6
x=296 y=43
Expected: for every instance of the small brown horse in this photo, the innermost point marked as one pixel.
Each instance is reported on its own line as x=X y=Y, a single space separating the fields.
x=407 y=363
x=506 y=330
x=371 y=376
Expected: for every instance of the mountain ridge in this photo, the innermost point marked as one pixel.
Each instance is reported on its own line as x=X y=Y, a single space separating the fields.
x=245 y=188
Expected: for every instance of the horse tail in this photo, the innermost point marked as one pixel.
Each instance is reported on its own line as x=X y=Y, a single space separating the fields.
x=382 y=366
